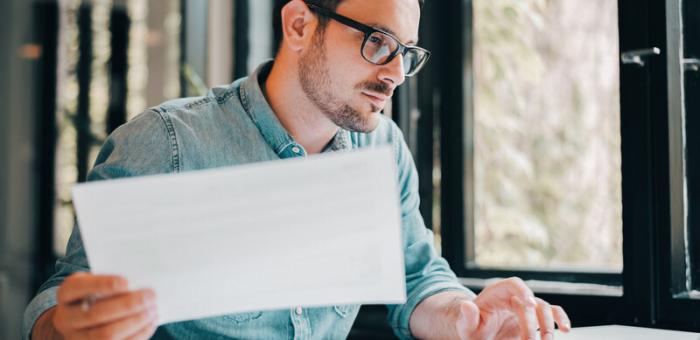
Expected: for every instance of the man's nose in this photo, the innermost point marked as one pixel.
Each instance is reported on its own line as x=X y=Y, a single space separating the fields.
x=393 y=72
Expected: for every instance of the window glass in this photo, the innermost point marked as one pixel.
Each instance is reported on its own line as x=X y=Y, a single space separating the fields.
x=546 y=160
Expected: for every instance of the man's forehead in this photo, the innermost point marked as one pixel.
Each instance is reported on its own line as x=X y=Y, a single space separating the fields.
x=398 y=17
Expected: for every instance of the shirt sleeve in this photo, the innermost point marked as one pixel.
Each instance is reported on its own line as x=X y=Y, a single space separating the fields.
x=427 y=273
x=141 y=147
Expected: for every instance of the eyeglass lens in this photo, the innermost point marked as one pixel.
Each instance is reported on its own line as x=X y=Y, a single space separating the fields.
x=379 y=47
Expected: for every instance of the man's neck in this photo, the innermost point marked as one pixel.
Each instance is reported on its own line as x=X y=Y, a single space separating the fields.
x=302 y=119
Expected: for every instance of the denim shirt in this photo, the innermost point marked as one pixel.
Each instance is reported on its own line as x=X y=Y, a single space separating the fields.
x=235 y=125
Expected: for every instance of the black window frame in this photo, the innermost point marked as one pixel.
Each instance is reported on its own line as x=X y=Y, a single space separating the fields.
x=444 y=95
x=691 y=68
x=677 y=308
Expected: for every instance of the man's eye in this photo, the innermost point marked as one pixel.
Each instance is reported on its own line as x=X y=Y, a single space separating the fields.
x=375 y=40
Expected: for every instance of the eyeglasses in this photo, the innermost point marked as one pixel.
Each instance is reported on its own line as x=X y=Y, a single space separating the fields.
x=379 y=47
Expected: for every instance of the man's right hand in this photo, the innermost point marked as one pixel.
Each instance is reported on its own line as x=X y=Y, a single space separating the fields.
x=116 y=312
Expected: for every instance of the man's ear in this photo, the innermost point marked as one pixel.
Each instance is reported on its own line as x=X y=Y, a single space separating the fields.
x=298 y=25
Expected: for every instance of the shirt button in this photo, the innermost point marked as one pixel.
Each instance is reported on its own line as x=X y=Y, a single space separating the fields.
x=296 y=149
x=298 y=310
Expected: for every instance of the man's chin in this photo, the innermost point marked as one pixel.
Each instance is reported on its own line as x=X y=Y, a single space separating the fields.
x=370 y=123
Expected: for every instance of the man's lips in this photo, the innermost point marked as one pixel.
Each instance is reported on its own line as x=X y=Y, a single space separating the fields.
x=376 y=98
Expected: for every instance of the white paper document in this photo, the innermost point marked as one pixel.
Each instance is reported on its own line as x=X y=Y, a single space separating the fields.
x=317 y=231
x=615 y=332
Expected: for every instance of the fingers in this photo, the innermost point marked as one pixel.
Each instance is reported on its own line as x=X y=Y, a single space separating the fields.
x=545 y=319
x=125 y=327
x=110 y=309
x=561 y=318
x=547 y=315
x=513 y=296
x=116 y=313
x=527 y=319
x=499 y=295
x=80 y=285
x=468 y=319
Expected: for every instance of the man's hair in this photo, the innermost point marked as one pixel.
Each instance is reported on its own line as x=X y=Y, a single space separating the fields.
x=327 y=4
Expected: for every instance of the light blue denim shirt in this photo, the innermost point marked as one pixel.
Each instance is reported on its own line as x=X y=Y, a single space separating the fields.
x=235 y=125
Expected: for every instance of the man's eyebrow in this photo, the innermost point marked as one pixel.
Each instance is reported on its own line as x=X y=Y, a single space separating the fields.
x=390 y=31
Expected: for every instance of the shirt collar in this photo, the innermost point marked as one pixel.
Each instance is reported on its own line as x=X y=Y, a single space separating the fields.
x=260 y=112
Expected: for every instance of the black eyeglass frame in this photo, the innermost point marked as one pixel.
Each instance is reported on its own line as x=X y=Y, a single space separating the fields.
x=368 y=30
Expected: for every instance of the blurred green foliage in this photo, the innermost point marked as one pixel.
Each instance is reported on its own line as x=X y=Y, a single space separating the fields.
x=546 y=134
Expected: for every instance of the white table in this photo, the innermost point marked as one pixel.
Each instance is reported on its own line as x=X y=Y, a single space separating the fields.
x=615 y=332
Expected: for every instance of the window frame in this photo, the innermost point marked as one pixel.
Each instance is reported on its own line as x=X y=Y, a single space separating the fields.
x=692 y=85
x=646 y=171
x=676 y=307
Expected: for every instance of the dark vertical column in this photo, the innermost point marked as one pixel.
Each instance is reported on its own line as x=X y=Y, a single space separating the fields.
x=118 y=67
x=644 y=138
x=183 y=43
x=46 y=33
x=422 y=98
x=400 y=113
x=84 y=74
x=650 y=260
x=241 y=43
x=691 y=25
x=455 y=22
x=276 y=25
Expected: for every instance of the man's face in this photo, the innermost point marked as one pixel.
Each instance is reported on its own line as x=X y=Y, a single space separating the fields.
x=349 y=90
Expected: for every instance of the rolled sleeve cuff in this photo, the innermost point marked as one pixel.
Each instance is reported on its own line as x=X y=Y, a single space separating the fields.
x=401 y=316
x=40 y=304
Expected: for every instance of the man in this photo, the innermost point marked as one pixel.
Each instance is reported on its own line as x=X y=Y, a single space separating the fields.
x=338 y=64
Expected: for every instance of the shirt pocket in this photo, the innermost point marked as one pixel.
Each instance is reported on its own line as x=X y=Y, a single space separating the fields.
x=345 y=310
x=242 y=317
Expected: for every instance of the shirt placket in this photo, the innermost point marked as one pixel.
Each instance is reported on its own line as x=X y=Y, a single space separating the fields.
x=302 y=327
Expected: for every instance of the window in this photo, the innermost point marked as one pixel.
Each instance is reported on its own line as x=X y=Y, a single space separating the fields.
x=561 y=142
x=531 y=161
x=545 y=160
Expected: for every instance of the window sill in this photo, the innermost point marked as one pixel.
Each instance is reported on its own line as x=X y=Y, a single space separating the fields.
x=553 y=287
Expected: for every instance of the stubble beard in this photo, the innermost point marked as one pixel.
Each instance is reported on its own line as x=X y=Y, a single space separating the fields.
x=315 y=80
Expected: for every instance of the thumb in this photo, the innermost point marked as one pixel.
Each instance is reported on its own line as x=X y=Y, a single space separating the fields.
x=468 y=319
